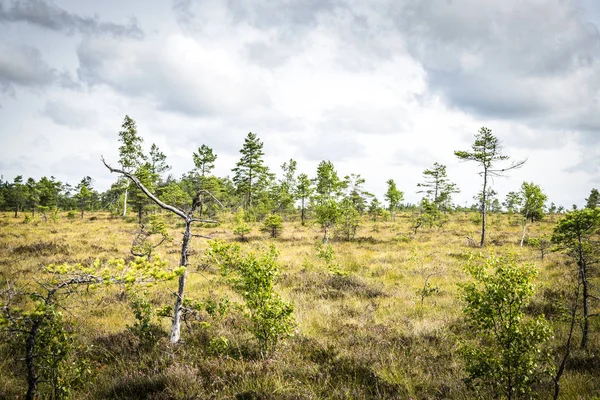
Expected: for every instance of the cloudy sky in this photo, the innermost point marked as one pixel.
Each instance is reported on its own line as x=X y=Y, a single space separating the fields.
x=381 y=88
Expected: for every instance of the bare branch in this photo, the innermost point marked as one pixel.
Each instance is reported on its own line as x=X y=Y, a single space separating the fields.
x=202 y=191
x=202 y=236
x=514 y=165
x=208 y=221
x=139 y=184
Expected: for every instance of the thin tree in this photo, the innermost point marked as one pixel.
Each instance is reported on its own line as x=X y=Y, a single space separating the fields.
x=437 y=187
x=188 y=216
x=487 y=152
x=594 y=199
x=287 y=186
x=17 y=194
x=250 y=169
x=304 y=191
x=393 y=197
x=204 y=161
x=533 y=204
x=130 y=152
x=84 y=193
x=576 y=233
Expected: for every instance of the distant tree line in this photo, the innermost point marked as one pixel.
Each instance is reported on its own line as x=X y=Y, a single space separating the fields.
x=327 y=197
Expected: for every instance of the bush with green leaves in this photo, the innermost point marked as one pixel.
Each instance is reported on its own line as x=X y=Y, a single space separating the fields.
x=542 y=243
x=273 y=224
x=241 y=227
x=149 y=237
x=328 y=214
x=348 y=220
x=39 y=334
x=33 y=322
x=577 y=235
x=253 y=277
x=144 y=328
x=326 y=253
x=506 y=357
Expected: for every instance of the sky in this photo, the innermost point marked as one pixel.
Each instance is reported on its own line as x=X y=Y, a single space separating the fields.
x=380 y=88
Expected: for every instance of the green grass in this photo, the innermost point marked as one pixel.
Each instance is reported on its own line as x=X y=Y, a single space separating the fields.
x=360 y=335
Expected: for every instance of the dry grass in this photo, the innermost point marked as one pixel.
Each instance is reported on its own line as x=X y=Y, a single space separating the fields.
x=361 y=335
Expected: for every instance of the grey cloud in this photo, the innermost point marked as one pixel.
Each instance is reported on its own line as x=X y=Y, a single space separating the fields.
x=155 y=72
x=49 y=16
x=330 y=147
x=284 y=25
x=268 y=55
x=537 y=62
x=67 y=115
x=418 y=157
x=294 y=15
x=40 y=142
x=24 y=66
x=589 y=163
x=365 y=119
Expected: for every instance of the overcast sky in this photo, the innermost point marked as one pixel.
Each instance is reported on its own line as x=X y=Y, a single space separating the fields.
x=380 y=88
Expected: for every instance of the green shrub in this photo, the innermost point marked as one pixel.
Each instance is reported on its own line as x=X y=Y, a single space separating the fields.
x=253 y=277
x=506 y=357
x=273 y=224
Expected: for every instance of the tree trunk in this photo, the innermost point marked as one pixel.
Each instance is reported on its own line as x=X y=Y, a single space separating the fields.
x=561 y=367
x=29 y=360
x=201 y=204
x=586 y=322
x=250 y=189
x=483 y=209
x=81 y=212
x=125 y=203
x=524 y=231
x=185 y=245
x=302 y=212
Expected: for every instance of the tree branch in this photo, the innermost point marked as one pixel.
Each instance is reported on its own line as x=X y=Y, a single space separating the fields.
x=202 y=236
x=135 y=180
x=201 y=191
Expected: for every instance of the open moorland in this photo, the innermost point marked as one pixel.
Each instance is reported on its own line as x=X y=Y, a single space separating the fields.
x=379 y=316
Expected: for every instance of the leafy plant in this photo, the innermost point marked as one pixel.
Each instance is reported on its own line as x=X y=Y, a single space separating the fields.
x=253 y=277
x=506 y=356
x=273 y=224
x=241 y=228
x=144 y=327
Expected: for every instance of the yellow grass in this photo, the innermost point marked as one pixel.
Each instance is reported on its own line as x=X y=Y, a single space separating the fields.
x=363 y=335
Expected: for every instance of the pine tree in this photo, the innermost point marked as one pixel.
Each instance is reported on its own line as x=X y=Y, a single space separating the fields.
x=250 y=169
x=130 y=152
x=487 y=152
x=594 y=200
x=437 y=186
x=304 y=191
x=204 y=160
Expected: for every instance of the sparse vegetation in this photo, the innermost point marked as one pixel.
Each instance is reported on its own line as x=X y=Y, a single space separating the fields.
x=371 y=312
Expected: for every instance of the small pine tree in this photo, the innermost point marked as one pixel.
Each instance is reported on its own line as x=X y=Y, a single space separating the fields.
x=273 y=224
x=241 y=227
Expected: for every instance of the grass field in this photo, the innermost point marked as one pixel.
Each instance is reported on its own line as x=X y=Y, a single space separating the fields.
x=361 y=333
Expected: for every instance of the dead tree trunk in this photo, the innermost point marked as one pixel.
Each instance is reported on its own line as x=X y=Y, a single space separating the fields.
x=125 y=202
x=32 y=379
x=188 y=218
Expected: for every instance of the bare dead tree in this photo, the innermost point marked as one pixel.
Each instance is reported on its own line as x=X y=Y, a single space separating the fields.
x=188 y=216
x=563 y=362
